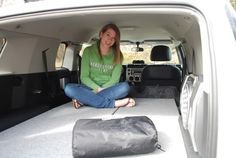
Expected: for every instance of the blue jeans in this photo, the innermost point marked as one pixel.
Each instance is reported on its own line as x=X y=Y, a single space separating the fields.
x=103 y=99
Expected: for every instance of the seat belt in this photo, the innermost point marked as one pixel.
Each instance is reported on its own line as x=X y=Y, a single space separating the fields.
x=44 y=55
x=48 y=87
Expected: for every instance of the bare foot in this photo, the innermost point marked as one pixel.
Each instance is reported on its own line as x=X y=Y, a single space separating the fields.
x=128 y=102
x=131 y=103
x=76 y=103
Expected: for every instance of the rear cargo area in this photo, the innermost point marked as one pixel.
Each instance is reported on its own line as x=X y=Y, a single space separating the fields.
x=50 y=133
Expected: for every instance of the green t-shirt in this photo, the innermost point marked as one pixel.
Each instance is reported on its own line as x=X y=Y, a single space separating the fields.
x=99 y=72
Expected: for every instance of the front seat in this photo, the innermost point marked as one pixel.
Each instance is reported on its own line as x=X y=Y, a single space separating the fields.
x=162 y=75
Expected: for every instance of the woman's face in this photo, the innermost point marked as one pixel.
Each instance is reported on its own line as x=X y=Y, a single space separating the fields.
x=108 y=37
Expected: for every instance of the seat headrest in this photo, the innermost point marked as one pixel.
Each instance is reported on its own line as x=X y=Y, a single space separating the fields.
x=160 y=53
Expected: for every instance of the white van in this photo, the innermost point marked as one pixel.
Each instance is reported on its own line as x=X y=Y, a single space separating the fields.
x=190 y=98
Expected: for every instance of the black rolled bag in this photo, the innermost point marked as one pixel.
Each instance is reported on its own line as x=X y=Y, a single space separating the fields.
x=114 y=137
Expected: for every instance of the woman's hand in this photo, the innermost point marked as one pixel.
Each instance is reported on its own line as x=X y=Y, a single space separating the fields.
x=100 y=89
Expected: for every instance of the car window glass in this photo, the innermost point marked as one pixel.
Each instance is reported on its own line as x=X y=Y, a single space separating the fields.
x=84 y=45
x=231 y=14
x=60 y=55
x=131 y=53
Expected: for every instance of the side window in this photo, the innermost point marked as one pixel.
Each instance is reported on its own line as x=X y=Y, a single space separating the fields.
x=84 y=45
x=233 y=3
x=60 y=55
x=2 y=43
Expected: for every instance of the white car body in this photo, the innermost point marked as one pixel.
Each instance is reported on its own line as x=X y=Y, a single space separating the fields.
x=214 y=43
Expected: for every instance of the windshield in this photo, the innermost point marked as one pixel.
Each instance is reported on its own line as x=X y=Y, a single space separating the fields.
x=130 y=54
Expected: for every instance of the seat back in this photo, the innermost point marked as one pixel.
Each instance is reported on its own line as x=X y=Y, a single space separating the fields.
x=162 y=75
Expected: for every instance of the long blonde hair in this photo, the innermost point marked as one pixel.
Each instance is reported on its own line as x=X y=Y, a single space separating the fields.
x=116 y=46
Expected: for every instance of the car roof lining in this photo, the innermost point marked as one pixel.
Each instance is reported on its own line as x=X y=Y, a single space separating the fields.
x=140 y=23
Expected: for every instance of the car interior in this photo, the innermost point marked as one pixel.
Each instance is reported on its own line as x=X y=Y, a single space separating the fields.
x=163 y=64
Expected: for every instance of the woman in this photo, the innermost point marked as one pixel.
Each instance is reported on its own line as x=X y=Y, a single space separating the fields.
x=100 y=73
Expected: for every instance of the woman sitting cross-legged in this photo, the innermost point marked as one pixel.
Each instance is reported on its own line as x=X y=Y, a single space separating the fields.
x=100 y=73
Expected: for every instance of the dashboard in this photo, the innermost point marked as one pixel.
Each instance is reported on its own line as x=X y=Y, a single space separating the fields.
x=134 y=72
